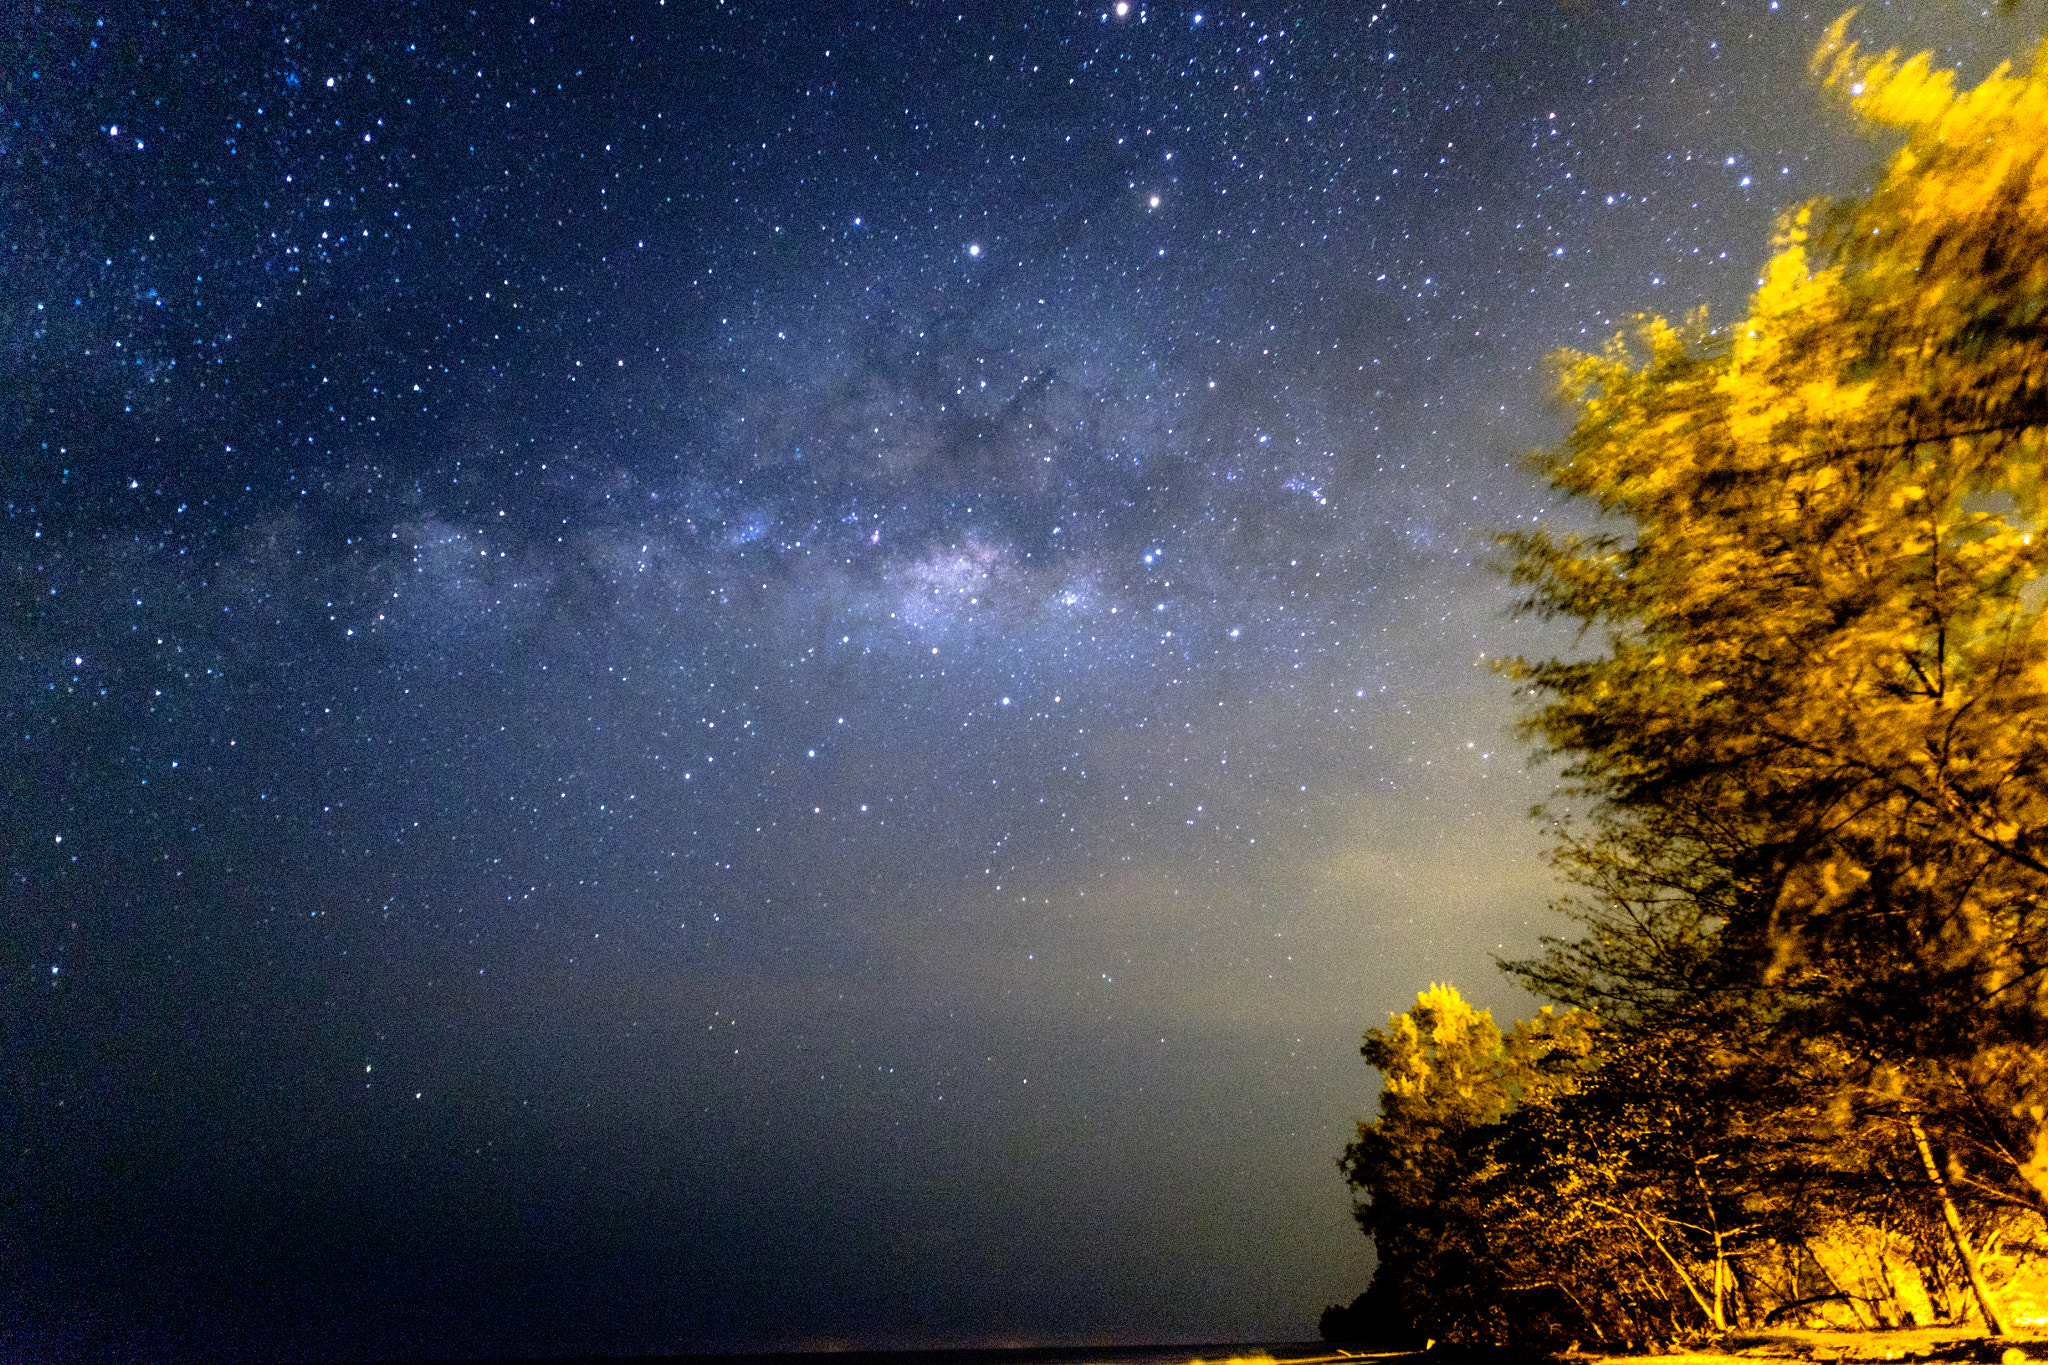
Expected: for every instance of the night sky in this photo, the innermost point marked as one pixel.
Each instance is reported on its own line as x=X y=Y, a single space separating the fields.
x=694 y=675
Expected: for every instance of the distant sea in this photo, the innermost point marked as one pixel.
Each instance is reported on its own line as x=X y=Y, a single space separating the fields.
x=1289 y=1353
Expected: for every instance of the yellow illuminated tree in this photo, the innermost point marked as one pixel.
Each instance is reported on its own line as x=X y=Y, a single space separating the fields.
x=1805 y=753
x=1450 y=1078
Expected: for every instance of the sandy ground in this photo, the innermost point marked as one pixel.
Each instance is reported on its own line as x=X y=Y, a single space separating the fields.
x=1820 y=1346
x=1832 y=1345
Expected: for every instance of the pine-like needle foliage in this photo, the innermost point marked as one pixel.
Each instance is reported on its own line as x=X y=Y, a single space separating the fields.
x=1804 y=799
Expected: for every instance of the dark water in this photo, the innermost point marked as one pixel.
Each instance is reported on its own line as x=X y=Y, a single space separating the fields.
x=1287 y=1353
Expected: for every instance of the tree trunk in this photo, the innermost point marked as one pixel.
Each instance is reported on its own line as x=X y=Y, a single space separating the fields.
x=1986 y=1304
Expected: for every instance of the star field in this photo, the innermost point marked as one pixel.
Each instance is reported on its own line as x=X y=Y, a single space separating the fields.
x=693 y=676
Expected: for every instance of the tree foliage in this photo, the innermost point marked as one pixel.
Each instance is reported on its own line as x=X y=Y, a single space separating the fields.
x=1803 y=800
x=1818 y=722
x=1451 y=1077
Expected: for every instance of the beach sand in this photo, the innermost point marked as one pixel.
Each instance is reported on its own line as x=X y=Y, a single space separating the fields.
x=1826 y=1346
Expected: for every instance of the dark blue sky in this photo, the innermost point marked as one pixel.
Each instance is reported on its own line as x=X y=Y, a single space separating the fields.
x=695 y=675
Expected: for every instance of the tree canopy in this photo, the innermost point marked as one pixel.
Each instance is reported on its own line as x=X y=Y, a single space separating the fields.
x=1819 y=717
x=1803 y=801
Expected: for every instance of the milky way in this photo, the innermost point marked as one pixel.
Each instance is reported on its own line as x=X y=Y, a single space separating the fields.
x=704 y=675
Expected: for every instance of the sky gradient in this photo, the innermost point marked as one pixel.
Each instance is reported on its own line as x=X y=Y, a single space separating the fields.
x=707 y=676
